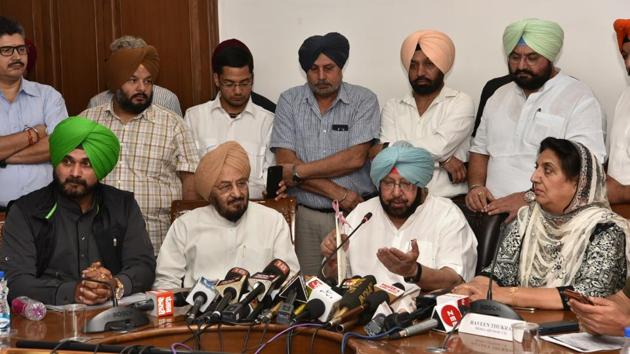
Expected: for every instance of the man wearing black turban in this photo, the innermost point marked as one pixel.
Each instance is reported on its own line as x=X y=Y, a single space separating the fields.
x=321 y=135
x=62 y=242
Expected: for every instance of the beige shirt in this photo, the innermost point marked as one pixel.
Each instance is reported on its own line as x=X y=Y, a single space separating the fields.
x=203 y=243
x=154 y=146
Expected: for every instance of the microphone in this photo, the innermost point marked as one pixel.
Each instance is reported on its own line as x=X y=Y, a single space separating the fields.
x=200 y=297
x=314 y=309
x=30 y=309
x=421 y=327
x=262 y=283
x=116 y=318
x=365 y=219
x=229 y=288
x=367 y=309
x=323 y=292
x=354 y=297
x=488 y=306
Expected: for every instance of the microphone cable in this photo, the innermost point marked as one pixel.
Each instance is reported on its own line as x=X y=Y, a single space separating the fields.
x=348 y=335
x=290 y=328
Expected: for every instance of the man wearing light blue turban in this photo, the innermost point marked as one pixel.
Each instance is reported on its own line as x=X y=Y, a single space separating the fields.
x=539 y=101
x=418 y=238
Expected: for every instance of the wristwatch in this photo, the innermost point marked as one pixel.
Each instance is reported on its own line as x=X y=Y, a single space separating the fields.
x=529 y=197
x=296 y=177
x=415 y=278
x=119 y=290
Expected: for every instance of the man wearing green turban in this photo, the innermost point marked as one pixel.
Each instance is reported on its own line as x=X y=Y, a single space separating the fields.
x=418 y=238
x=536 y=102
x=61 y=239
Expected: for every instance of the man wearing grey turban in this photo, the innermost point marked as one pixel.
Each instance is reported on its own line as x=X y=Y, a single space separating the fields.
x=321 y=135
x=418 y=238
x=63 y=241
x=539 y=102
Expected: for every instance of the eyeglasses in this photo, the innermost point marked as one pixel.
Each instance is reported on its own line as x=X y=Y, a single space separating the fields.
x=388 y=185
x=231 y=84
x=7 y=51
x=226 y=187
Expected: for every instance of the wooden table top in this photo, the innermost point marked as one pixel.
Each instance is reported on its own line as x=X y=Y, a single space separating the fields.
x=165 y=331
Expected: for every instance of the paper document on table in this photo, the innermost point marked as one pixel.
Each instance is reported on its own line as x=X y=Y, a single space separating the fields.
x=586 y=343
x=137 y=297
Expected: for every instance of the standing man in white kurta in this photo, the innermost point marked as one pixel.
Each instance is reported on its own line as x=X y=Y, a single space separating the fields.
x=618 y=181
x=232 y=115
x=230 y=232
x=413 y=236
x=540 y=102
x=432 y=116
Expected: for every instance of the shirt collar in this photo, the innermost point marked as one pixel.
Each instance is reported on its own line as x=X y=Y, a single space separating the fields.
x=225 y=222
x=548 y=85
x=145 y=114
x=249 y=108
x=445 y=93
x=28 y=88
x=342 y=95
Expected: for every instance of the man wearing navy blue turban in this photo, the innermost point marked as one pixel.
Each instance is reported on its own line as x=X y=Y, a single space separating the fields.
x=418 y=238
x=321 y=135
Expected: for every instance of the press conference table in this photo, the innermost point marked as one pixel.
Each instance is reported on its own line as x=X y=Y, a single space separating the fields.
x=165 y=331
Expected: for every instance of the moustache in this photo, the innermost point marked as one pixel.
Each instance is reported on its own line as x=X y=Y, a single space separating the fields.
x=422 y=78
x=236 y=200
x=523 y=71
x=17 y=63
x=75 y=180
x=142 y=95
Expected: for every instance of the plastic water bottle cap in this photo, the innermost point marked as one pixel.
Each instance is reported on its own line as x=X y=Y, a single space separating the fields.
x=626 y=332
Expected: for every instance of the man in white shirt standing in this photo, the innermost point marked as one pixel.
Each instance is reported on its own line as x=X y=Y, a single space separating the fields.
x=418 y=238
x=230 y=232
x=540 y=102
x=433 y=116
x=232 y=115
x=618 y=179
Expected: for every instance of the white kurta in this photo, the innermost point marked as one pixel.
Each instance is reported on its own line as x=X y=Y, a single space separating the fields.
x=440 y=228
x=444 y=130
x=203 y=243
x=211 y=125
x=512 y=127
x=619 y=141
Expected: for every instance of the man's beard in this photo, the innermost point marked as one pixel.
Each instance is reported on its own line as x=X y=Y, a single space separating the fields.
x=224 y=211
x=405 y=211
x=427 y=88
x=327 y=91
x=534 y=82
x=127 y=104
x=66 y=190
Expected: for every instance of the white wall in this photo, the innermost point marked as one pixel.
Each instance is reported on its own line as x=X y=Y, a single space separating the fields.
x=274 y=30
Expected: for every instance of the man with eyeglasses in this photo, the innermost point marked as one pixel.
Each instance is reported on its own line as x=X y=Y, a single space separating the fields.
x=416 y=237
x=30 y=111
x=235 y=114
x=230 y=232
x=158 y=155
x=539 y=102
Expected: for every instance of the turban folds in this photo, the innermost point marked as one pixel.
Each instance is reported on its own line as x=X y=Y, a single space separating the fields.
x=211 y=165
x=334 y=45
x=125 y=61
x=99 y=143
x=437 y=46
x=414 y=164
x=622 y=27
x=544 y=37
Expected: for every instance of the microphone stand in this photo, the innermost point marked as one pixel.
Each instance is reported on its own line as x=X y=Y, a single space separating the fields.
x=117 y=318
x=365 y=219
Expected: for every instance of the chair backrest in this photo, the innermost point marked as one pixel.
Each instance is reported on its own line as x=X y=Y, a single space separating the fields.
x=287 y=207
x=487 y=229
x=622 y=209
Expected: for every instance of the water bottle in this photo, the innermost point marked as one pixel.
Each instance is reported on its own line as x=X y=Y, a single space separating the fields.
x=5 y=311
x=626 y=346
x=30 y=309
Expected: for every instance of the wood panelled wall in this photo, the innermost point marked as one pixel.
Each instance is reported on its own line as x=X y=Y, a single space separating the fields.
x=72 y=38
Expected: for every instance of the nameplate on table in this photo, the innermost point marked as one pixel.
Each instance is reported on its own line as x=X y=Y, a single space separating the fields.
x=488 y=326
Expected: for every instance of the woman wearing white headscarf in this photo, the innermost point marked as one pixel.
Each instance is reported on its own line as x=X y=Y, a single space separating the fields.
x=567 y=239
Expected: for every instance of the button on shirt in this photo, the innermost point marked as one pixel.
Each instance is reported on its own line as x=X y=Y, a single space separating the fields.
x=441 y=230
x=513 y=125
x=154 y=146
x=619 y=135
x=34 y=104
x=299 y=126
x=444 y=130
x=204 y=243
x=211 y=125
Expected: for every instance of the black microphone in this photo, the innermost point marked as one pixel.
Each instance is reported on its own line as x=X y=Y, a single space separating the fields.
x=313 y=309
x=229 y=288
x=365 y=219
x=488 y=306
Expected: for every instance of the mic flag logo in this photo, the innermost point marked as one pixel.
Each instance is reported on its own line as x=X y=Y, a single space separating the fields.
x=450 y=315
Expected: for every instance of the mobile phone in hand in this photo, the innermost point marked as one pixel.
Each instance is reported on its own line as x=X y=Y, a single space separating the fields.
x=274 y=176
x=577 y=296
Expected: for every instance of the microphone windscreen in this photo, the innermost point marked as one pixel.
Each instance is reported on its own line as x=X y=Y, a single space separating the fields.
x=278 y=267
x=315 y=308
x=236 y=273
x=356 y=295
x=367 y=216
x=375 y=299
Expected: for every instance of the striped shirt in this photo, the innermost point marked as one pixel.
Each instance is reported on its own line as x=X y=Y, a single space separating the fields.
x=353 y=119
x=154 y=146
x=161 y=96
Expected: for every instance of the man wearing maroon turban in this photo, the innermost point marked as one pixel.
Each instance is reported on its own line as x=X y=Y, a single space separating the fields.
x=321 y=135
x=230 y=232
x=157 y=151
x=618 y=181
